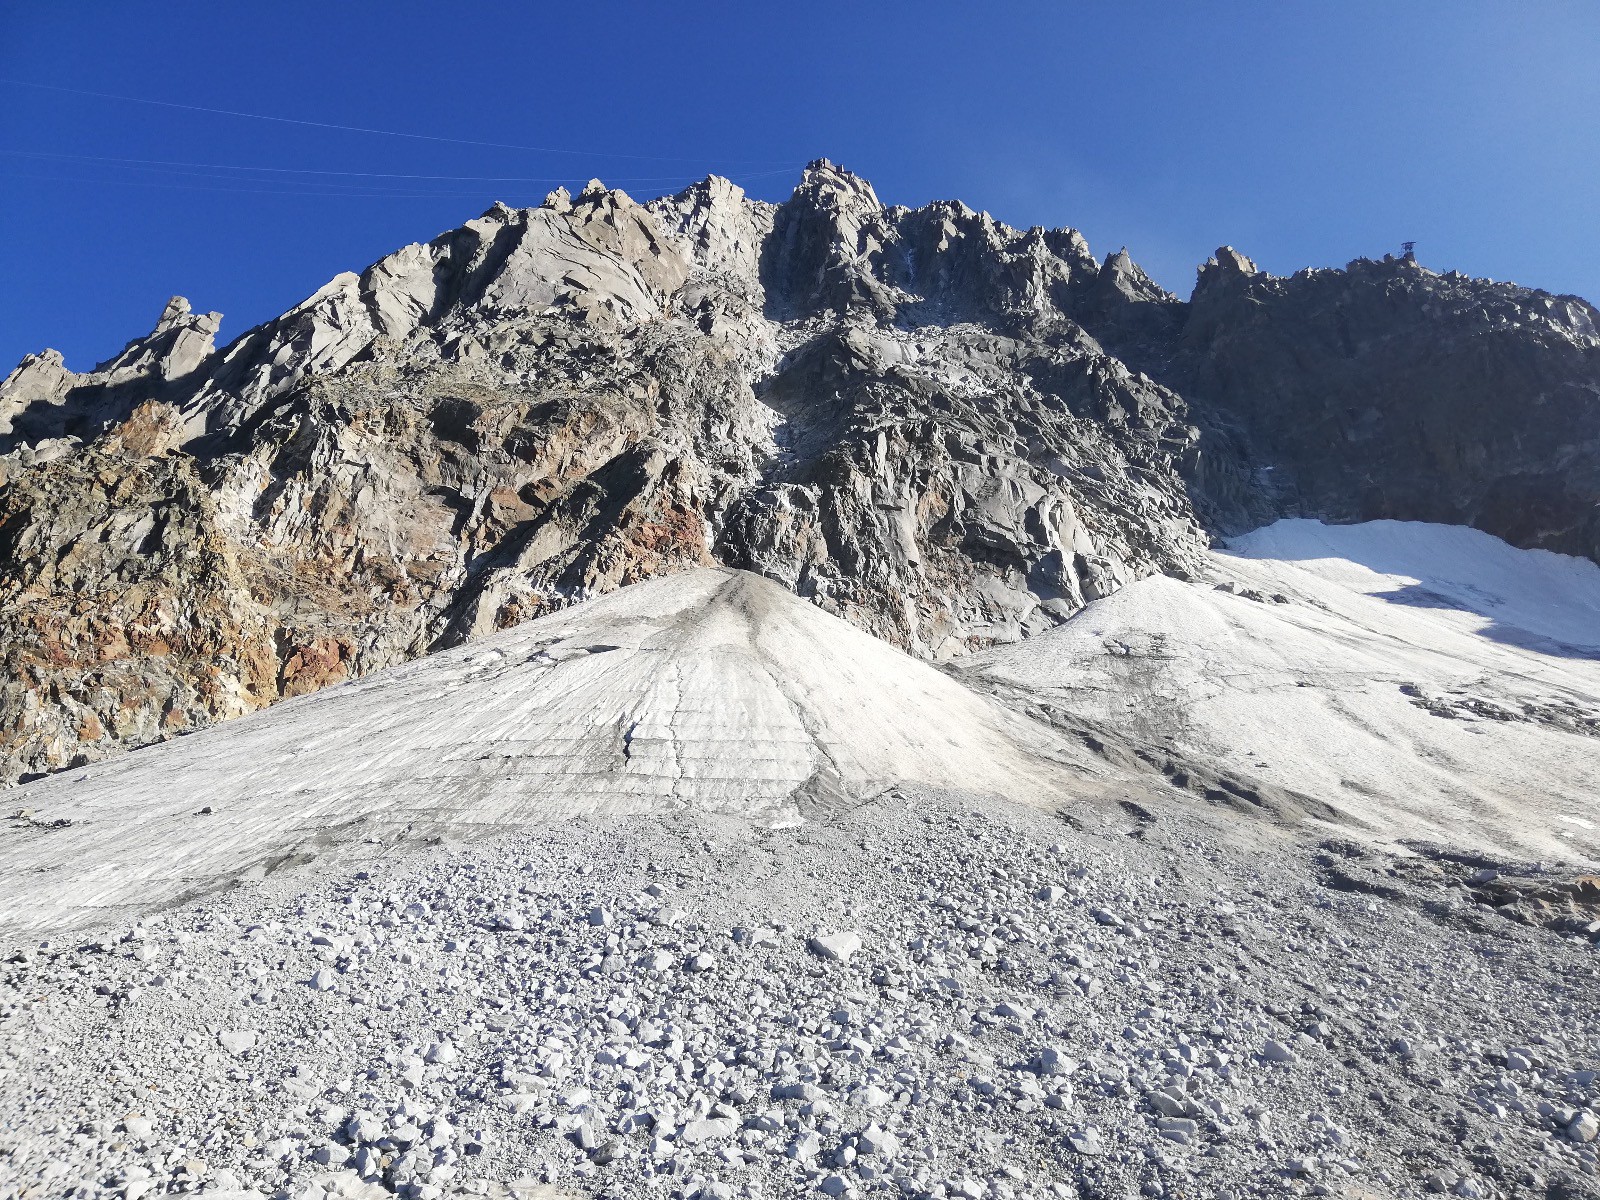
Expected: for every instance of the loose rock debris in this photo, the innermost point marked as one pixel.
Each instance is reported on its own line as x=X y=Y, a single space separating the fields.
x=931 y=996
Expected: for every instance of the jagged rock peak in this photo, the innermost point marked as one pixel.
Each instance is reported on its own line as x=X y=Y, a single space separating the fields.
x=41 y=398
x=713 y=193
x=1226 y=268
x=499 y=213
x=824 y=182
x=47 y=363
x=597 y=195
x=180 y=342
x=1230 y=259
x=1385 y=390
x=177 y=308
x=719 y=229
x=1127 y=278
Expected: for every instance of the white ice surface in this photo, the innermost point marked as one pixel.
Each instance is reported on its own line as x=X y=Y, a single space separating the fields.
x=1307 y=695
x=711 y=689
x=1476 y=582
x=719 y=691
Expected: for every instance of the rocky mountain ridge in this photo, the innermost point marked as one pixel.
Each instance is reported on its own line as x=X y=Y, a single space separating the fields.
x=948 y=431
x=1434 y=397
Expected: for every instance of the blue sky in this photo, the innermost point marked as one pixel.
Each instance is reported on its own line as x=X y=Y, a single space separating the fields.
x=1304 y=134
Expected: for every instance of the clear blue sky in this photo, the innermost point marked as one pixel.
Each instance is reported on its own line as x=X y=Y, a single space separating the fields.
x=1304 y=134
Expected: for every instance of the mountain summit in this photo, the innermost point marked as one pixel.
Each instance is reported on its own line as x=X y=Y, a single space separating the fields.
x=951 y=433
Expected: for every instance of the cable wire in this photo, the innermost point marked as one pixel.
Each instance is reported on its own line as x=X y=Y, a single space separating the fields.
x=425 y=137
x=255 y=191
x=158 y=162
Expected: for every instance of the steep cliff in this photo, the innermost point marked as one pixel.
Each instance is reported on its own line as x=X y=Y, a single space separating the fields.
x=950 y=432
x=1385 y=390
x=894 y=413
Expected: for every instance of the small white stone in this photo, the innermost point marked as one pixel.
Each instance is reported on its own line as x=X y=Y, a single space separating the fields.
x=1585 y=1127
x=710 y=1129
x=837 y=947
x=1275 y=1051
x=877 y=1141
x=1055 y=1062
x=870 y=1096
x=1086 y=1141
x=441 y=1052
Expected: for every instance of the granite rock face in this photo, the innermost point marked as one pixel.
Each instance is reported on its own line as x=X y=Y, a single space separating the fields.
x=950 y=432
x=1385 y=390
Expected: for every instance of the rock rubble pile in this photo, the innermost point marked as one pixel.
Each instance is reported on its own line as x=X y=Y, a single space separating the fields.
x=930 y=996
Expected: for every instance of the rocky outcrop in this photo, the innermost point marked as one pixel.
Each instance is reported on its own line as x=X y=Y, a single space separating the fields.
x=951 y=487
x=127 y=615
x=951 y=432
x=1386 y=390
x=45 y=408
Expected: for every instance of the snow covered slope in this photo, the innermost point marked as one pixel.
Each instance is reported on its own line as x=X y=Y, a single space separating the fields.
x=1475 y=582
x=1418 y=681
x=710 y=689
x=1426 y=681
